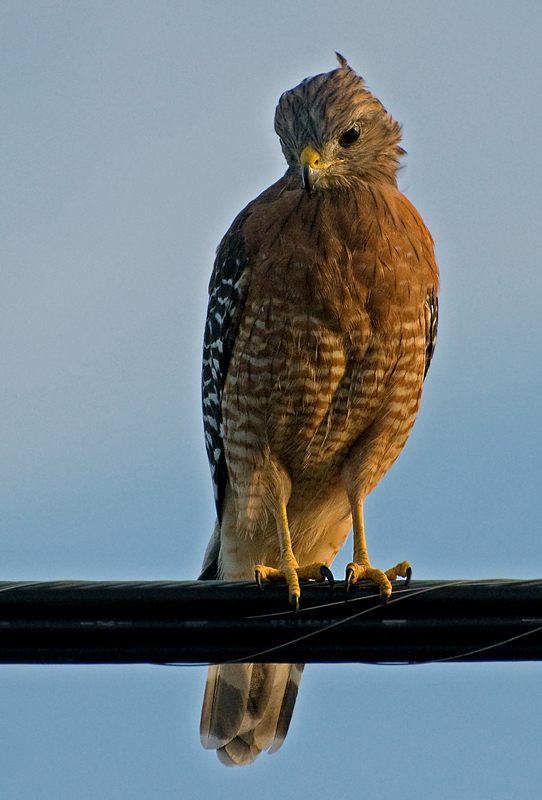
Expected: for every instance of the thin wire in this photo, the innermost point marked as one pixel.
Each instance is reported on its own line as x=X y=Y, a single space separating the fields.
x=483 y=649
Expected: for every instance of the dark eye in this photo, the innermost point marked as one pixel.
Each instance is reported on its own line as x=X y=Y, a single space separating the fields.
x=350 y=136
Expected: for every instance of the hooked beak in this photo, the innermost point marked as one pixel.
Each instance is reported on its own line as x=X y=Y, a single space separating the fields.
x=313 y=167
x=310 y=164
x=307 y=176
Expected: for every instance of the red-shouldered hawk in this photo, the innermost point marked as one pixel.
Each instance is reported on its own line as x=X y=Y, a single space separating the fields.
x=321 y=326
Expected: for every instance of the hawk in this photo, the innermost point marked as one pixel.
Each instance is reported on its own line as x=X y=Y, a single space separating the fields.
x=320 y=329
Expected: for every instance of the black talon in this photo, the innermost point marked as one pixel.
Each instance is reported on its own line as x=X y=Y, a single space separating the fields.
x=295 y=604
x=258 y=578
x=384 y=597
x=408 y=576
x=348 y=582
x=327 y=573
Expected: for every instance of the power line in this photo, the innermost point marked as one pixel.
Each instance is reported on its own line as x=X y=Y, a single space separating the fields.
x=213 y=621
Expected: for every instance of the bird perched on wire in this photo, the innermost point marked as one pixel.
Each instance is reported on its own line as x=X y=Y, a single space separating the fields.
x=320 y=329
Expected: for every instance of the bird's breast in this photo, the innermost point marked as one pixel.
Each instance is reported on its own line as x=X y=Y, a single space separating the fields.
x=330 y=338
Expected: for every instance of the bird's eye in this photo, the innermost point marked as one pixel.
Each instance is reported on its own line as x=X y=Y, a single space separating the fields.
x=350 y=136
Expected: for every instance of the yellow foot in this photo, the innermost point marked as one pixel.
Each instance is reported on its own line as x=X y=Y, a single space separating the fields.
x=292 y=576
x=358 y=572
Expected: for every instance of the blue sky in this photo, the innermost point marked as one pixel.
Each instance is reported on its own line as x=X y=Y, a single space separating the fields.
x=132 y=133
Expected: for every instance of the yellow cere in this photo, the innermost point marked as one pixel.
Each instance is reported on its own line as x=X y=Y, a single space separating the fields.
x=312 y=157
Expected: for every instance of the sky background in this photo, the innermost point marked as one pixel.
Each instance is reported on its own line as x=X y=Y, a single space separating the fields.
x=131 y=135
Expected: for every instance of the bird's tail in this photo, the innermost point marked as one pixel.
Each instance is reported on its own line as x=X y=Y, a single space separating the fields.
x=247 y=708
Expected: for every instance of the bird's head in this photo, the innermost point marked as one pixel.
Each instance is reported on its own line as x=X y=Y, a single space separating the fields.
x=334 y=132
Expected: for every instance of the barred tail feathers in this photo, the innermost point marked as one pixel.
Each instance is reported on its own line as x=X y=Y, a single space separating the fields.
x=247 y=708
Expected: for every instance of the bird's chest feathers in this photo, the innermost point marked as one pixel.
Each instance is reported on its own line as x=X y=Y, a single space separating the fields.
x=338 y=268
x=322 y=333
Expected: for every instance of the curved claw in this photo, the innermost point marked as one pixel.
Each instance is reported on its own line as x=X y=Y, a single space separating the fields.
x=258 y=578
x=408 y=576
x=384 y=597
x=295 y=602
x=348 y=580
x=325 y=572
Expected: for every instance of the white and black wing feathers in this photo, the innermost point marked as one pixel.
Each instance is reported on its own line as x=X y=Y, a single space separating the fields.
x=226 y=300
x=431 y=324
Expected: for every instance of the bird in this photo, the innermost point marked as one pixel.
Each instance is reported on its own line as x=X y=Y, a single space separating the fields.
x=321 y=326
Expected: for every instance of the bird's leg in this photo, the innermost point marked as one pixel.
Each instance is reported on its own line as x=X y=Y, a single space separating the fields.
x=360 y=568
x=289 y=569
x=288 y=564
